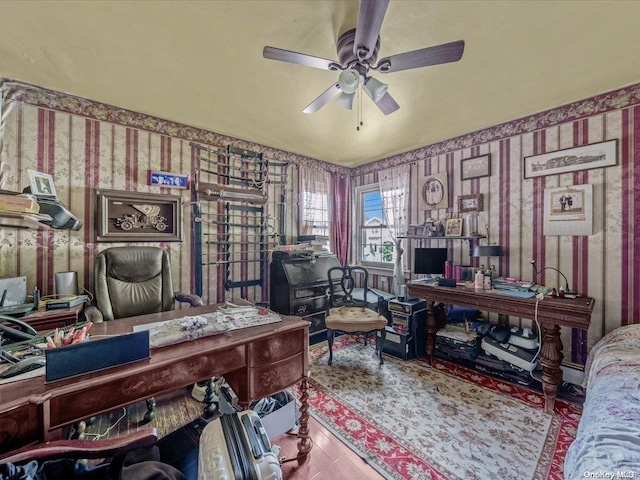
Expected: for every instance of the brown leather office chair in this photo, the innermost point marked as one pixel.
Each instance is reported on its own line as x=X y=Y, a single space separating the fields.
x=346 y=314
x=134 y=280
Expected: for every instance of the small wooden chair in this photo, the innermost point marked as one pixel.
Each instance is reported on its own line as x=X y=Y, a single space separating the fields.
x=348 y=315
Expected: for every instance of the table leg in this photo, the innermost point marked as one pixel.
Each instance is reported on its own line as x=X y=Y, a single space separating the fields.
x=435 y=317
x=551 y=359
x=304 y=442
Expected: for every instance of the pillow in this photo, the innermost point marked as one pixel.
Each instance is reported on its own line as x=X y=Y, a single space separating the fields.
x=459 y=314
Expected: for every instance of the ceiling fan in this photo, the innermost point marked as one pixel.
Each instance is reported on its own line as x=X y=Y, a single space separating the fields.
x=357 y=53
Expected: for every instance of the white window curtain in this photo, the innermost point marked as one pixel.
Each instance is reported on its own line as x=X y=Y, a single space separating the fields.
x=314 y=199
x=394 y=189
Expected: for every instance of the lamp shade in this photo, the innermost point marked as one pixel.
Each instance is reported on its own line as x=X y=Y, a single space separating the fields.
x=488 y=251
x=375 y=89
x=345 y=100
x=348 y=81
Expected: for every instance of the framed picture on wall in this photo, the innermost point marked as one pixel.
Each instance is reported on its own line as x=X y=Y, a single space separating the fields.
x=476 y=167
x=595 y=155
x=138 y=217
x=168 y=179
x=470 y=203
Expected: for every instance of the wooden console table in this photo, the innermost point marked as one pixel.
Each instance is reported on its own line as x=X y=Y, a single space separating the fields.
x=552 y=313
x=256 y=362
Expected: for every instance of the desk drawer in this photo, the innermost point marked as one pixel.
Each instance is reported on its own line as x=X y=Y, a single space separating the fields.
x=274 y=349
x=120 y=391
x=19 y=427
x=269 y=379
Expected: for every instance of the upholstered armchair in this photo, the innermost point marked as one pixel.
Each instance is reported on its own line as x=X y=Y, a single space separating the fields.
x=350 y=315
x=134 y=280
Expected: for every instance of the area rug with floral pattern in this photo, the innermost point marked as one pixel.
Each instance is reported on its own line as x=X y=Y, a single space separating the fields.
x=412 y=420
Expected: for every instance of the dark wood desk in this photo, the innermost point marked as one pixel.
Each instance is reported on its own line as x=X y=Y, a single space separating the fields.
x=43 y=320
x=551 y=313
x=256 y=362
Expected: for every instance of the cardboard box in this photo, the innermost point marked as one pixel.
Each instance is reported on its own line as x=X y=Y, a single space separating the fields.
x=18 y=203
x=280 y=421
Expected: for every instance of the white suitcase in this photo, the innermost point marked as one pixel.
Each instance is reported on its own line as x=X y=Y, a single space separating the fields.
x=236 y=446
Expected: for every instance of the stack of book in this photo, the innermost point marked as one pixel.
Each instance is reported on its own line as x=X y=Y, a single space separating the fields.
x=514 y=285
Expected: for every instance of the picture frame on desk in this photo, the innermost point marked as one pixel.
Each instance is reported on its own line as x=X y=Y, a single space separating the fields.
x=41 y=183
x=138 y=217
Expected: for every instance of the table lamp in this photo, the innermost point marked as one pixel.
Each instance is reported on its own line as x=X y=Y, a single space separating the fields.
x=488 y=251
x=567 y=290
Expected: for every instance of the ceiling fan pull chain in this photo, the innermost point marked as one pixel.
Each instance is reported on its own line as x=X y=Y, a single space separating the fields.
x=359 y=114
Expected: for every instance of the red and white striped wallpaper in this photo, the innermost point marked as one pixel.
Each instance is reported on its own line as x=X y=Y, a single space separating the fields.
x=604 y=265
x=87 y=145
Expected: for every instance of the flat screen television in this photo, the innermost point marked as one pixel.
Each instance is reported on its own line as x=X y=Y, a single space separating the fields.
x=429 y=261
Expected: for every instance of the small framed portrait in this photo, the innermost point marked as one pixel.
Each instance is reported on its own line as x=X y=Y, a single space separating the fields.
x=453 y=227
x=41 y=183
x=476 y=167
x=470 y=203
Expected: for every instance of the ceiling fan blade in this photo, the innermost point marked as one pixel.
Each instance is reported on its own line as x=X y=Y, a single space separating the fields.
x=387 y=104
x=273 y=53
x=326 y=96
x=425 y=57
x=370 y=19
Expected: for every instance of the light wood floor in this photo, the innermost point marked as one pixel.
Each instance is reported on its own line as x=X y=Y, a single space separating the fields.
x=329 y=458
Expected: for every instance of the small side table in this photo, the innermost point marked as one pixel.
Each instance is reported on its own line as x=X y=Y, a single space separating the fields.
x=50 y=319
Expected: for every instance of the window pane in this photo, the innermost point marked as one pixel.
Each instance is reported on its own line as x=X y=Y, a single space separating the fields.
x=376 y=244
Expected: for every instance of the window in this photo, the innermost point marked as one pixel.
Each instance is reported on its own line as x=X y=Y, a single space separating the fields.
x=375 y=247
x=315 y=202
x=315 y=212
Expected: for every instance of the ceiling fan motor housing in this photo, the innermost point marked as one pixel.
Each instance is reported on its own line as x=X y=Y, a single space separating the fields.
x=347 y=57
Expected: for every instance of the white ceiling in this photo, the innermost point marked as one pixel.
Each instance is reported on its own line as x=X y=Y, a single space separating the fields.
x=200 y=63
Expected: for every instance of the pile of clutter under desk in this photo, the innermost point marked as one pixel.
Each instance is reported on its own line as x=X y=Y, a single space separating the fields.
x=508 y=352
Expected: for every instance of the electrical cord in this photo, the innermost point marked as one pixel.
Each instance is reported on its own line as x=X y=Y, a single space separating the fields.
x=98 y=436
x=297 y=457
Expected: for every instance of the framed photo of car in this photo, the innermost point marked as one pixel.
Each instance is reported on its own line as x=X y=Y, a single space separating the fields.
x=138 y=217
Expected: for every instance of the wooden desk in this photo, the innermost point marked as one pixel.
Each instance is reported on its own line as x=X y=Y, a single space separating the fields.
x=256 y=362
x=43 y=320
x=551 y=313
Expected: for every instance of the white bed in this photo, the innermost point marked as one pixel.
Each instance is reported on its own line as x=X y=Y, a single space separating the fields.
x=607 y=443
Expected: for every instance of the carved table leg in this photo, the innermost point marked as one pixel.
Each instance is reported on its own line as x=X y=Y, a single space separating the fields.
x=551 y=359
x=304 y=442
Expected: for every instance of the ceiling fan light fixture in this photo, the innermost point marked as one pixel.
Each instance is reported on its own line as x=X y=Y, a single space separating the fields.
x=349 y=80
x=375 y=89
x=345 y=100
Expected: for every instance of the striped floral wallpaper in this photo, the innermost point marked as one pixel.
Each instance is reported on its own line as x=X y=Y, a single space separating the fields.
x=87 y=145
x=604 y=265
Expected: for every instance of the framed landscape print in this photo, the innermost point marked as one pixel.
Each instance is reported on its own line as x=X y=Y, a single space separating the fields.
x=595 y=155
x=476 y=167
